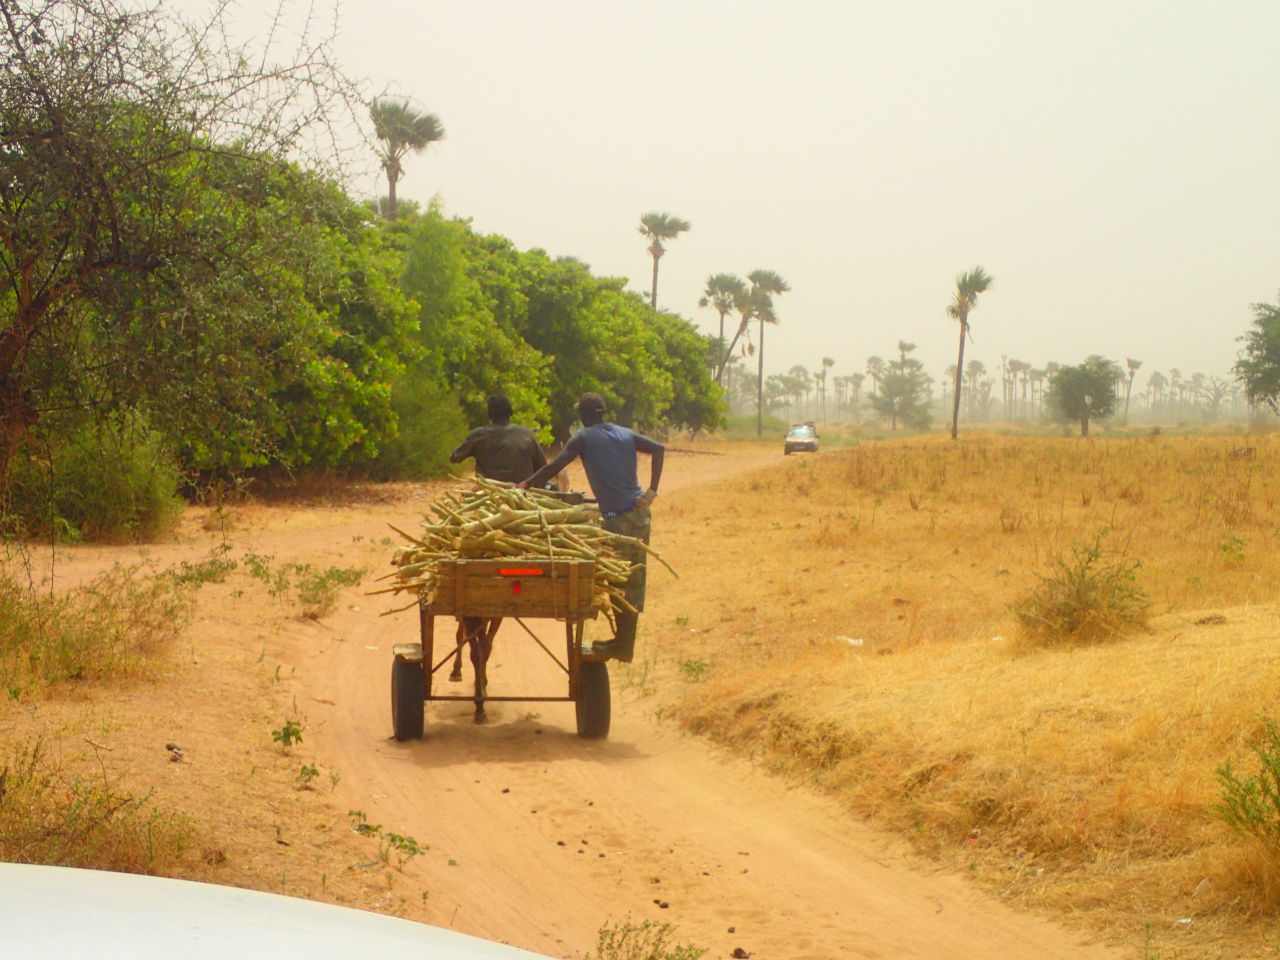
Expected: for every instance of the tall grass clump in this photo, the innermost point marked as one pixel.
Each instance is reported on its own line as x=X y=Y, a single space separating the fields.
x=1250 y=805
x=1088 y=595
x=51 y=816
x=109 y=629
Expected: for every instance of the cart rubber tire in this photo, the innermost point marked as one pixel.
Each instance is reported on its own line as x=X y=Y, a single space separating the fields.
x=408 y=699
x=592 y=704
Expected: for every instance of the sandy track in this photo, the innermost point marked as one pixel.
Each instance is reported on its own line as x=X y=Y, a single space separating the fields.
x=544 y=837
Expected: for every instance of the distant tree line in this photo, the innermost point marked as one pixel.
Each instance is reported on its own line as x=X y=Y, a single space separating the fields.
x=900 y=394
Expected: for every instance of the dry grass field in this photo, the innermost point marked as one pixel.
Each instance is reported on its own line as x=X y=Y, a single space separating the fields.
x=848 y=619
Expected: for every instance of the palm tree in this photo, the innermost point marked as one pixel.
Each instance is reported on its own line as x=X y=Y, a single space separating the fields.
x=875 y=368
x=748 y=301
x=821 y=377
x=723 y=290
x=855 y=386
x=1157 y=383
x=1132 y=366
x=404 y=130
x=968 y=287
x=1037 y=390
x=1004 y=385
x=1016 y=369
x=1050 y=371
x=974 y=372
x=656 y=227
x=802 y=384
x=766 y=284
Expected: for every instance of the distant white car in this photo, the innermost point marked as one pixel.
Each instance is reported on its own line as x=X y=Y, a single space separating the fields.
x=50 y=912
x=801 y=437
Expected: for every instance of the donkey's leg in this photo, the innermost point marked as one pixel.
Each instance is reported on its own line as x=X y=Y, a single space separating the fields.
x=481 y=648
x=455 y=675
x=476 y=640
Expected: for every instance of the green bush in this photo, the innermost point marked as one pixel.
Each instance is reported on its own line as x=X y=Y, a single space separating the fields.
x=1251 y=805
x=1088 y=595
x=94 y=482
x=430 y=424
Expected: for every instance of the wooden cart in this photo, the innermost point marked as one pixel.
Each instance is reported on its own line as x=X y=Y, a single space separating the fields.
x=482 y=593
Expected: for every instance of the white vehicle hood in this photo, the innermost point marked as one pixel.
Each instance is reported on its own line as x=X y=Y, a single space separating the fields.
x=48 y=912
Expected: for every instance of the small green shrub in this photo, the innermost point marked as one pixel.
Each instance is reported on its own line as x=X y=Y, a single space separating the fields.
x=212 y=569
x=1251 y=805
x=288 y=735
x=318 y=589
x=694 y=669
x=405 y=848
x=644 y=941
x=1232 y=548
x=1088 y=595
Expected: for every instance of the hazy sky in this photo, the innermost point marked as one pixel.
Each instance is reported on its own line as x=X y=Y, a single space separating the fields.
x=1112 y=164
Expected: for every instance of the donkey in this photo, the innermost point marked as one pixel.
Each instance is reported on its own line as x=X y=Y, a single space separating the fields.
x=478 y=634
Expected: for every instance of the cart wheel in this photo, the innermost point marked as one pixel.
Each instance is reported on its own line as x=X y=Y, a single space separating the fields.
x=593 y=700
x=408 y=699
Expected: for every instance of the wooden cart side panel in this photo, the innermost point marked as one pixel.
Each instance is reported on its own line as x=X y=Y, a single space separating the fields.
x=480 y=588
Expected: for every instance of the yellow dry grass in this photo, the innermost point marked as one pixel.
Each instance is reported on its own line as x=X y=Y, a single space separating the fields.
x=846 y=619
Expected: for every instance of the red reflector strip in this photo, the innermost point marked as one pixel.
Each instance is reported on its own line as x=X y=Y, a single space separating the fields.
x=520 y=572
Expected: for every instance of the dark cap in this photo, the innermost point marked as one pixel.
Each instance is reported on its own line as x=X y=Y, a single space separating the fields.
x=591 y=403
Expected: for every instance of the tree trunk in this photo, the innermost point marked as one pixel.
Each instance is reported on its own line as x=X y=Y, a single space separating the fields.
x=1084 y=424
x=720 y=371
x=729 y=352
x=653 y=294
x=391 y=197
x=760 y=386
x=955 y=401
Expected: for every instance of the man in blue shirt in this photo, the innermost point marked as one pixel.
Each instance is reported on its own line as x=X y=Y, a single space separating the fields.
x=608 y=453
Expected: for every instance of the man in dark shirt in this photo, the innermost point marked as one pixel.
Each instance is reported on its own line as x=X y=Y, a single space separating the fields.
x=503 y=450
x=608 y=454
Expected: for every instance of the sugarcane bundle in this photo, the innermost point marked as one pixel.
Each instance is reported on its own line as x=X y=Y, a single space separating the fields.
x=489 y=521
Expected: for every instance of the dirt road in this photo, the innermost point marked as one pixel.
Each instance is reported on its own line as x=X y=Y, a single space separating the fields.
x=550 y=836
x=537 y=837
